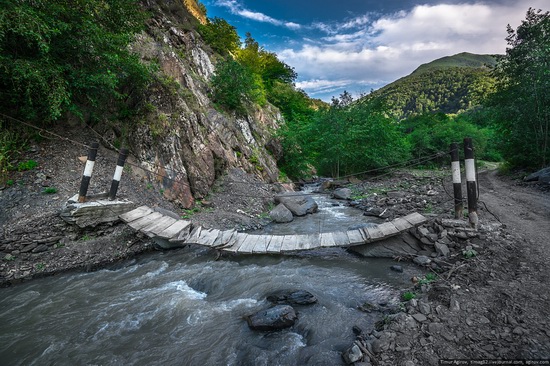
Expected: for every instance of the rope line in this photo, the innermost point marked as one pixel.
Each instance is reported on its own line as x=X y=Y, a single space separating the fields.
x=409 y=163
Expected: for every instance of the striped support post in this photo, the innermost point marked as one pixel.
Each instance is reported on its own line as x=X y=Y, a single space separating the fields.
x=123 y=153
x=457 y=182
x=88 y=169
x=471 y=185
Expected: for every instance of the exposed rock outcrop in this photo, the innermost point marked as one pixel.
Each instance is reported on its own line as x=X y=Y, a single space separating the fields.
x=183 y=143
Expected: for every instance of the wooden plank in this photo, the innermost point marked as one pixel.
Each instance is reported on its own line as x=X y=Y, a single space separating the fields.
x=289 y=243
x=157 y=227
x=355 y=237
x=275 y=244
x=365 y=234
x=326 y=240
x=224 y=238
x=401 y=224
x=175 y=231
x=135 y=214
x=313 y=241
x=145 y=221
x=340 y=239
x=194 y=236
x=208 y=237
x=415 y=218
x=299 y=242
x=262 y=244
x=374 y=233
x=388 y=229
x=238 y=240
x=248 y=244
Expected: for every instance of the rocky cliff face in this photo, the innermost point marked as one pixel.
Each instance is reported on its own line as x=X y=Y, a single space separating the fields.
x=183 y=142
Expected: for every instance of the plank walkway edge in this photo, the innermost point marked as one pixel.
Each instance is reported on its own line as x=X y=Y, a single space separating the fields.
x=173 y=233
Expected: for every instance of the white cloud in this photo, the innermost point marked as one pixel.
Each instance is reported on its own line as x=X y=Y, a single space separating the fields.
x=236 y=8
x=393 y=45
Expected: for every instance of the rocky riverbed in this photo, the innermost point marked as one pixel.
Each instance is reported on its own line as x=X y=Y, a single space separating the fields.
x=487 y=297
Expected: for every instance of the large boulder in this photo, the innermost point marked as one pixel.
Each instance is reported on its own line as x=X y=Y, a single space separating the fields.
x=298 y=203
x=299 y=297
x=342 y=194
x=281 y=214
x=542 y=175
x=274 y=318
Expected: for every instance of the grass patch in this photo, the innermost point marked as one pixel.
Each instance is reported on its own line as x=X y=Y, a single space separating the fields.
x=27 y=165
x=49 y=190
x=409 y=295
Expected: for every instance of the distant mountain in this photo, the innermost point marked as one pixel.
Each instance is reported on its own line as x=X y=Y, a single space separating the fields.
x=450 y=84
x=463 y=59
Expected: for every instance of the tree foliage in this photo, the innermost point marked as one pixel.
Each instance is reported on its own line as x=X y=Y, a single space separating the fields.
x=233 y=86
x=58 y=56
x=522 y=102
x=220 y=35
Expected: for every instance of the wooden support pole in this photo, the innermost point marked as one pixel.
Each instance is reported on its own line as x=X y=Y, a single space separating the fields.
x=457 y=182
x=471 y=184
x=122 y=155
x=88 y=169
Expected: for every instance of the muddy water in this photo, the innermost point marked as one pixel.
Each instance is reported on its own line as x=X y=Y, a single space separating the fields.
x=184 y=308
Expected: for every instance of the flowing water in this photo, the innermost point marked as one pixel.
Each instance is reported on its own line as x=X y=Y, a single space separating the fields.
x=184 y=308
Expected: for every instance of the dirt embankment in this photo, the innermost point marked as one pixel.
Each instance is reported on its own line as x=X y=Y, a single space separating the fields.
x=491 y=306
x=35 y=241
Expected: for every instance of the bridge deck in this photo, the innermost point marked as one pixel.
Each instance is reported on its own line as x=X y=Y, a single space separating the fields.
x=178 y=232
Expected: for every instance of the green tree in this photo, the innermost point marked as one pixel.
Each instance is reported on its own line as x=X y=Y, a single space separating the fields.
x=58 y=56
x=233 y=86
x=220 y=35
x=522 y=101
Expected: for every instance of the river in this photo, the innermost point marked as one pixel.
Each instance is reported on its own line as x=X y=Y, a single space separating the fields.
x=183 y=307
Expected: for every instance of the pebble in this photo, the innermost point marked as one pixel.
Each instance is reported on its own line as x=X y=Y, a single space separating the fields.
x=419 y=317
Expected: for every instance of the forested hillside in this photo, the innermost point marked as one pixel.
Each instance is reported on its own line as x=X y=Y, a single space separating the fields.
x=448 y=85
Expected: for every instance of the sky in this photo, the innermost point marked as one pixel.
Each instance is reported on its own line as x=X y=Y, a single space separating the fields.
x=361 y=45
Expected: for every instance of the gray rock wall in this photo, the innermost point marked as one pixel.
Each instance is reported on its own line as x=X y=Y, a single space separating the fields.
x=184 y=140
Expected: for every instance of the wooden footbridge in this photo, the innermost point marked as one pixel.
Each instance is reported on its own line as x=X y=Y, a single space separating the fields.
x=170 y=232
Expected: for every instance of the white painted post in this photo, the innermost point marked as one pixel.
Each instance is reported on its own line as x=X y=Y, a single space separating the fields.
x=118 y=173
x=471 y=184
x=88 y=169
x=457 y=182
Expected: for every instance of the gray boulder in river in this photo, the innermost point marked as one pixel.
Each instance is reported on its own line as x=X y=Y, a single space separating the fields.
x=298 y=297
x=274 y=318
x=298 y=203
x=281 y=214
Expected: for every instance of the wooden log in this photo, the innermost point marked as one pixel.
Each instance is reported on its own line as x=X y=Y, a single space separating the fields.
x=224 y=239
x=237 y=241
x=262 y=244
x=313 y=241
x=365 y=235
x=302 y=242
x=326 y=240
x=135 y=214
x=177 y=232
x=275 y=244
x=194 y=236
x=401 y=224
x=388 y=229
x=145 y=221
x=248 y=244
x=355 y=237
x=415 y=218
x=374 y=233
x=154 y=229
x=208 y=237
x=340 y=239
x=289 y=243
